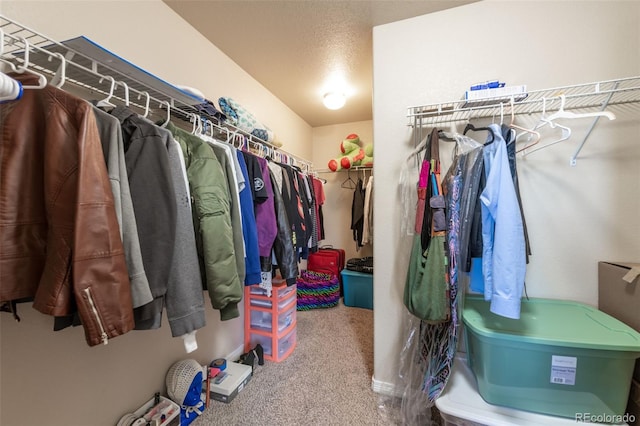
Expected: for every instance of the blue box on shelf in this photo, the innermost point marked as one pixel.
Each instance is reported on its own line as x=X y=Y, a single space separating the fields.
x=358 y=289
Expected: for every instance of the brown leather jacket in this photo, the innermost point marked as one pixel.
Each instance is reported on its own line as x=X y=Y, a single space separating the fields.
x=59 y=237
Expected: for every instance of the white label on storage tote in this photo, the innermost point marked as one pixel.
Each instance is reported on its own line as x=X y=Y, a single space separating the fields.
x=563 y=369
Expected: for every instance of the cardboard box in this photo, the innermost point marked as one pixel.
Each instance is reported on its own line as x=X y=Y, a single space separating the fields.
x=619 y=294
x=229 y=383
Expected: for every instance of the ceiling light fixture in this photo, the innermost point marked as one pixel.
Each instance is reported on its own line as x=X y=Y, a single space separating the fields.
x=334 y=100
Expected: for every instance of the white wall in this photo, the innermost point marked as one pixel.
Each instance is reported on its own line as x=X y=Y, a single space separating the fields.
x=55 y=378
x=337 y=209
x=576 y=215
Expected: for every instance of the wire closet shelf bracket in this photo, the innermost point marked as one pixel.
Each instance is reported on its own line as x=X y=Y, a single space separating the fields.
x=623 y=93
x=21 y=46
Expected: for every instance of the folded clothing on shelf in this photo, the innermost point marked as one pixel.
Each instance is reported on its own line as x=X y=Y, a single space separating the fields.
x=364 y=264
x=244 y=120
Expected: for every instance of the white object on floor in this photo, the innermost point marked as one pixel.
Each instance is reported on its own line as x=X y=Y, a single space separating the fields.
x=461 y=405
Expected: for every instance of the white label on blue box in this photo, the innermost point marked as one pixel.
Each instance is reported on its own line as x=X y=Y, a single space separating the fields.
x=563 y=369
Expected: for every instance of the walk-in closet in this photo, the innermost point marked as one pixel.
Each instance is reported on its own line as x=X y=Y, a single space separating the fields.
x=503 y=139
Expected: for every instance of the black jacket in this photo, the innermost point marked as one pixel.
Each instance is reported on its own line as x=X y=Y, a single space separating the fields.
x=283 y=245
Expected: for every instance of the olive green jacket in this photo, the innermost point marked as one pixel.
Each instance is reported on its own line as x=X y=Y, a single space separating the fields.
x=211 y=209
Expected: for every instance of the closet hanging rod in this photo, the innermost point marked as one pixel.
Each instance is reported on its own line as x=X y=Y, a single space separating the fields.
x=354 y=168
x=87 y=73
x=275 y=154
x=623 y=91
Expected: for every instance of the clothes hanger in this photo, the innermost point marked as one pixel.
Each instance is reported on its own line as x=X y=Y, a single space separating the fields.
x=240 y=140
x=60 y=78
x=348 y=183
x=168 y=113
x=197 y=125
x=211 y=128
x=125 y=86
x=561 y=113
x=11 y=64
x=10 y=89
x=24 y=67
x=200 y=130
x=126 y=92
x=106 y=102
x=230 y=136
x=146 y=106
x=193 y=119
x=566 y=131
x=516 y=127
x=493 y=118
x=471 y=127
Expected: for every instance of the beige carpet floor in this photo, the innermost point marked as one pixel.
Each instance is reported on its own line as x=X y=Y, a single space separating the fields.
x=325 y=381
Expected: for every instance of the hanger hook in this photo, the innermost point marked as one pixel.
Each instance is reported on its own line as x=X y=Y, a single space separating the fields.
x=63 y=70
x=42 y=80
x=25 y=65
x=146 y=106
x=168 y=113
x=11 y=64
x=193 y=120
x=113 y=86
x=513 y=118
x=126 y=92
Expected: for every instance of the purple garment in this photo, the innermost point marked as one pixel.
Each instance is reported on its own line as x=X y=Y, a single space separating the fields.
x=266 y=215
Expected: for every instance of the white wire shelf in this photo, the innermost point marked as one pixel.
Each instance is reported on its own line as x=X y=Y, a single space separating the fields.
x=623 y=92
x=94 y=72
x=352 y=169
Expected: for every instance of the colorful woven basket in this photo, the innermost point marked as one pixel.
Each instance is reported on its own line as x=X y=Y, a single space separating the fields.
x=317 y=290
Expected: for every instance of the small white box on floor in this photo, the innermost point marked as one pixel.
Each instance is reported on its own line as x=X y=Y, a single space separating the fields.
x=227 y=384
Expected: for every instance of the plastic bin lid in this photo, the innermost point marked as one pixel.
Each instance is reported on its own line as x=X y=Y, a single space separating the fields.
x=552 y=322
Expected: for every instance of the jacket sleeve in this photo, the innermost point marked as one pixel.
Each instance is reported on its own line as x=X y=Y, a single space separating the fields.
x=100 y=279
x=212 y=209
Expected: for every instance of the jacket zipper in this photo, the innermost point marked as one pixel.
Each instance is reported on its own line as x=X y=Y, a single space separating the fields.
x=103 y=334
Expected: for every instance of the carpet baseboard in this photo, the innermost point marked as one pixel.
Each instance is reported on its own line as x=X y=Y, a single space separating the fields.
x=385 y=388
x=235 y=354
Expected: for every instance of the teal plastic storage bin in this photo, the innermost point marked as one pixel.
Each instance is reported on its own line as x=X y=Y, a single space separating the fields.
x=358 y=289
x=561 y=358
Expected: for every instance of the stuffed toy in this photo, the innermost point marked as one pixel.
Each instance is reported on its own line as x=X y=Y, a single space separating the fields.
x=352 y=154
x=367 y=161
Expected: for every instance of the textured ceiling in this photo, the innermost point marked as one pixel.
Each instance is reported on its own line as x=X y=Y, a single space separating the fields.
x=294 y=48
